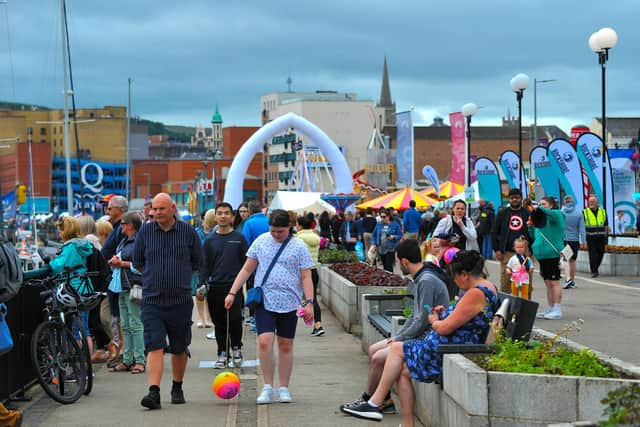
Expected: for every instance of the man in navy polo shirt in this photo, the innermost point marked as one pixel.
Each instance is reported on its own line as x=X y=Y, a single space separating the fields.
x=167 y=252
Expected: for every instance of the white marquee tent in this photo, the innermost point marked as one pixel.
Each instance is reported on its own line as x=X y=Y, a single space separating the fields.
x=300 y=202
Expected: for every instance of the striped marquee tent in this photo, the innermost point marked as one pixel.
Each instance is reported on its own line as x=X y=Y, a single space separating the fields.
x=399 y=200
x=447 y=189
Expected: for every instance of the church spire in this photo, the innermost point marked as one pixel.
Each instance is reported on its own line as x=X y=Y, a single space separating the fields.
x=385 y=102
x=385 y=92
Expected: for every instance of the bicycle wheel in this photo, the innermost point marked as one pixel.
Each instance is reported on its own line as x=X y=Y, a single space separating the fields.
x=58 y=362
x=84 y=346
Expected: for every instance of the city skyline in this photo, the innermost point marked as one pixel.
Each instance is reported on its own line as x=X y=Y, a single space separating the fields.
x=186 y=59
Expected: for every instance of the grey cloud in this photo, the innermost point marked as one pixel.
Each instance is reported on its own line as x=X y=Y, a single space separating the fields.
x=185 y=56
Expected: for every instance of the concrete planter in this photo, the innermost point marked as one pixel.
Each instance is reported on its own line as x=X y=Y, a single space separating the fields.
x=344 y=298
x=612 y=264
x=471 y=396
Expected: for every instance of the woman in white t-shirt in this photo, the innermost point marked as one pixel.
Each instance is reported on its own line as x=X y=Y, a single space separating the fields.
x=287 y=288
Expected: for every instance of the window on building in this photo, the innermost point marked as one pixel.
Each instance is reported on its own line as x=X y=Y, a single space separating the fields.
x=43 y=131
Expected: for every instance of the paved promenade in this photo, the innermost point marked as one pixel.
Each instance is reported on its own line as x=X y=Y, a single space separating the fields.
x=328 y=371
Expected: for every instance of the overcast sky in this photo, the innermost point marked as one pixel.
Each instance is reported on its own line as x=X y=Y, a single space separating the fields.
x=186 y=56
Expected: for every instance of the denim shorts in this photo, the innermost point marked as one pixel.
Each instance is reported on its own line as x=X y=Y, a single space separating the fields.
x=171 y=321
x=283 y=324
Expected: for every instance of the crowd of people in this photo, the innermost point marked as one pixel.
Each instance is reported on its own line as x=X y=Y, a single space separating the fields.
x=162 y=268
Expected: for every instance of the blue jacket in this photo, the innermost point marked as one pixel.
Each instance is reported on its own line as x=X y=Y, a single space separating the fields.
x=73 y=253
x=379 y=237
x=256 y=224
x=411 y=219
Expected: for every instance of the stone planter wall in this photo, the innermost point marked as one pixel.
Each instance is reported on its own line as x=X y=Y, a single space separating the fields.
x=471 y=396
x=344 y=298
x=612 y=264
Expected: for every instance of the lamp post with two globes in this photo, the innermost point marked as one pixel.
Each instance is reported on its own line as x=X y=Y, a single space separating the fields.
x=600 y=42
x=519 y=83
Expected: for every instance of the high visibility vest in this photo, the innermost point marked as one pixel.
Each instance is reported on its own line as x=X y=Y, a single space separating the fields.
x=591 y=220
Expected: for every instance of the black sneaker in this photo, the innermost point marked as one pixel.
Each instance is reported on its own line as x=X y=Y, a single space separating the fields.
x=151 y=400
x=177 y=396
x=317 y=332
x=594 y=275
x=388 y=407
x=569 y=284
x=362 y=409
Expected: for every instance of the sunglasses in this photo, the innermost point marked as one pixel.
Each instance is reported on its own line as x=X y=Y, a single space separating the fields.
x=383 y=216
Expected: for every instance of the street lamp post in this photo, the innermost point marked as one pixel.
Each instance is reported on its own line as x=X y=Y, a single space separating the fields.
x=468 y=110
x=518 y=84
x=148 y=195
x=536 y=82
x=600 y=42
x=215 y=155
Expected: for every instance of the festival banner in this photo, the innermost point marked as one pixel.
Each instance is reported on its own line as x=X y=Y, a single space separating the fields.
x=404 y=153
x=489 y=187
x=458 y=140
x=432 y=176
x=565 y=163
x=589 y=146
x=624 y=183
x=544 y=172
x=510 y=164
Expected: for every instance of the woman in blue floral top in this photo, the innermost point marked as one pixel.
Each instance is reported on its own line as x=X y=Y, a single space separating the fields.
x=465 y=322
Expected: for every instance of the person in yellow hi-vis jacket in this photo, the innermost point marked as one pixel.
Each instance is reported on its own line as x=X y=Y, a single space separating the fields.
x=596 y=226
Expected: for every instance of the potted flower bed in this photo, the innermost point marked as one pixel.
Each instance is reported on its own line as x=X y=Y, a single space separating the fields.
x=472 y=394
x=343 y=284
x=619 y=260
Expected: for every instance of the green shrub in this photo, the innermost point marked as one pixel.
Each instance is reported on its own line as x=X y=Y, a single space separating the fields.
x=543 y=358
x=332 y=256
x=623 y=406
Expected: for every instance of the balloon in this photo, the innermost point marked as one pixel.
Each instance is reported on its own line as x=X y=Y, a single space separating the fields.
x=635 y=156
x=226 y=385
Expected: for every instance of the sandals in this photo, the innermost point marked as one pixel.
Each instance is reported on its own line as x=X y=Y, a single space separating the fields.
x=121 y=367
x=138 y=368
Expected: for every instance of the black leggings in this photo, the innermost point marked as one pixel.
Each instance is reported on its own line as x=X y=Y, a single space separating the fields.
x=317 y=315
x=388 y=260
x=215 y=301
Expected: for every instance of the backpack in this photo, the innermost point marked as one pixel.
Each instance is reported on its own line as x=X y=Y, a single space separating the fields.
x=96 y=262
x=10 y=272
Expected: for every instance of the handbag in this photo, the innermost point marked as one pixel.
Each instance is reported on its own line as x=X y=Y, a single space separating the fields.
x=255 y=294
x=6 y=342
x=135 y=294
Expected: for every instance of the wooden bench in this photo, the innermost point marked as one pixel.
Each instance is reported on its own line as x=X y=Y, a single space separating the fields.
x=519 y=320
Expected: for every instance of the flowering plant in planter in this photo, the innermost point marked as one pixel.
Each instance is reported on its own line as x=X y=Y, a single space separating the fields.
x=361 y=274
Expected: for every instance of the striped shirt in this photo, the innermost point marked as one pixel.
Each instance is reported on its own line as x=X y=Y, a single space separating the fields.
x=167 y=260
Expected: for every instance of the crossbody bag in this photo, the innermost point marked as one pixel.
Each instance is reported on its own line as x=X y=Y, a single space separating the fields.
x=255 y=295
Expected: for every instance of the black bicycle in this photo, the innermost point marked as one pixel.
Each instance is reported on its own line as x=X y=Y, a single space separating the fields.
x=63 y=363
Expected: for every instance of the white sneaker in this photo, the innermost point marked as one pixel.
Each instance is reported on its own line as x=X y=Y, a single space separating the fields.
x=285 y=396
x=220 y=363
x=267 y=395
x=543 y=314
x=554 y=315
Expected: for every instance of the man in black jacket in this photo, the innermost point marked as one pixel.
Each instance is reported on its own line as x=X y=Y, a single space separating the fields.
x=511 y=223
x=484 y=223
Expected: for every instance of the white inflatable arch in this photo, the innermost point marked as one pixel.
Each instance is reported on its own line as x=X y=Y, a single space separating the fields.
x=254 y=145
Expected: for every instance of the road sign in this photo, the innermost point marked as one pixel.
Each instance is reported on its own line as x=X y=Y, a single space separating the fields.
x=42 y=205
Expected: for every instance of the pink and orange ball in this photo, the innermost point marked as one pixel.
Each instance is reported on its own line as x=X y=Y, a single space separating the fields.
x=226 y=385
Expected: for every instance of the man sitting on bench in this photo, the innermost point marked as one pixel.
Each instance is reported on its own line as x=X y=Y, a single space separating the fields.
x=429 y=290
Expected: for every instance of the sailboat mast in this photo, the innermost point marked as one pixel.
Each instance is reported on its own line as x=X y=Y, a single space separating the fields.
x=65 y=109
